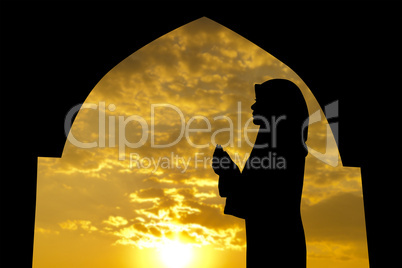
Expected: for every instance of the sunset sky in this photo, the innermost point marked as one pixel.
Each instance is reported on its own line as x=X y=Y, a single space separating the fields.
x=111 y=206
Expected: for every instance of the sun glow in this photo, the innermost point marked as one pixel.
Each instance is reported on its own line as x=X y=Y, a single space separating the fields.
x=175 y=254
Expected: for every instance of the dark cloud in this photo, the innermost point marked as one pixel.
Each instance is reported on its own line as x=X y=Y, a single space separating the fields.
x=151 y=192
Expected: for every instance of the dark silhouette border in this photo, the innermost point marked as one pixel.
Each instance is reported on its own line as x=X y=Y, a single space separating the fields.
x=52 y=56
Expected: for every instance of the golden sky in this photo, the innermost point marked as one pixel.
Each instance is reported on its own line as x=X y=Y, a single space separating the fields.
x=116 y=206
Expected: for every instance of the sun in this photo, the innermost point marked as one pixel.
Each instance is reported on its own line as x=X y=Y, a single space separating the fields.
x=175 y=254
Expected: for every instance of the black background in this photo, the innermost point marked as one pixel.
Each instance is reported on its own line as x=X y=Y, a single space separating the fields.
x=53 y=54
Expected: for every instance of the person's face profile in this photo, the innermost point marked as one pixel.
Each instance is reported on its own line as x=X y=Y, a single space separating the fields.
x=257 y=113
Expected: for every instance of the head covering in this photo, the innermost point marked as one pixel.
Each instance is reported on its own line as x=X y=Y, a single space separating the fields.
x=281 y=97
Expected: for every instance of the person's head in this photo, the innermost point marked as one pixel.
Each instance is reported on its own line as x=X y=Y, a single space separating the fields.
x=280 y=99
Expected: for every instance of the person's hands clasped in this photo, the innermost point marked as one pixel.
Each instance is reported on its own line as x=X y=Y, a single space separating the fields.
x=222 y=164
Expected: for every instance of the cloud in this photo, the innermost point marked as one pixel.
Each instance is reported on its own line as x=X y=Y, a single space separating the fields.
x=179 y=212
x=73 y=225
x=116 y=221
x=40 y=230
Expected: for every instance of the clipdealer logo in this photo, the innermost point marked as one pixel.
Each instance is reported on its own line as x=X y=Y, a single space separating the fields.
x=147 y=134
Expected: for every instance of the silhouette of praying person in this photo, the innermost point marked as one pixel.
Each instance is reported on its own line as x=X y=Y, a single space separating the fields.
x=267 y=193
